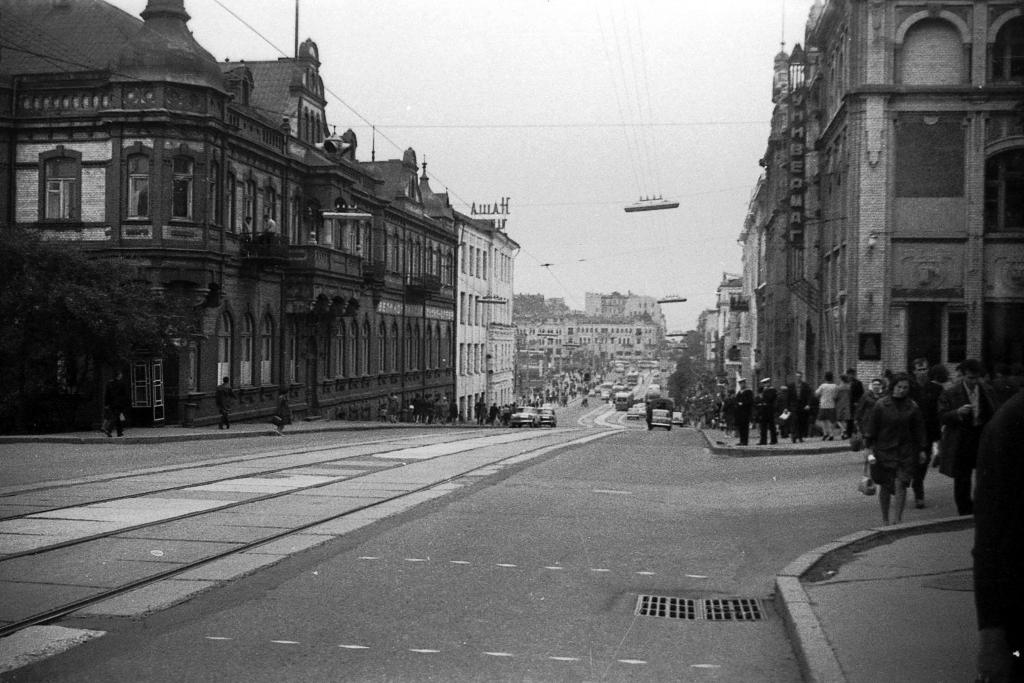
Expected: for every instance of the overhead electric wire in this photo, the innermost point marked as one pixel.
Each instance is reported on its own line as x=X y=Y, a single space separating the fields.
x=618 y=101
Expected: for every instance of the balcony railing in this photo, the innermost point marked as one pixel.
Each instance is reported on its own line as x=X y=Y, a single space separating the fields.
x=267 y=247
x=424 y=284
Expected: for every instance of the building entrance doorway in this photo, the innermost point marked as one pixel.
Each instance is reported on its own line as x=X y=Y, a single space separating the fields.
x=924 y=333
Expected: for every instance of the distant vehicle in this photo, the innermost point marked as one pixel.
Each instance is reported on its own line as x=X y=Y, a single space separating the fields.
x=546 y=416
x=660 y=411
x=526 y=416
x=653 y=391
x=636 y=411
x=632 y=378
x=619 y=387
x=623 y=400
x=677 y=419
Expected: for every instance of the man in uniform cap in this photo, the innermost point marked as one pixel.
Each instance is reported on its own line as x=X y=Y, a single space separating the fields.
x=744 y=408
x=766 y=398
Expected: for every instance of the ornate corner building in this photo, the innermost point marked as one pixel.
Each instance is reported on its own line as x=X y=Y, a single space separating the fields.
x=311 y=271
x=889 y=224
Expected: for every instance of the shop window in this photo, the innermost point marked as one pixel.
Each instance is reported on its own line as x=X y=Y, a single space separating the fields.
x=224 y=332
x=266 y=350
x=245 y=347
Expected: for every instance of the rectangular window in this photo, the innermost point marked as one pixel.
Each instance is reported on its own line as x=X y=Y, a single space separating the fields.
x=930 y=156
x=61 y=188
x=181 y=193
x=138 y=186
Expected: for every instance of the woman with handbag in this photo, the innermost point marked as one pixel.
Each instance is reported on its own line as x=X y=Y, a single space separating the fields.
x=895 y=433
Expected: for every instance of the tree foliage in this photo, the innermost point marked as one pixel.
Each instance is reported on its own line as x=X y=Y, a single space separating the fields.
x=66 y=314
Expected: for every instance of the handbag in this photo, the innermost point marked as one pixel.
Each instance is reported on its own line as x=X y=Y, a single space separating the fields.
x=856 y=443
x=867 y=485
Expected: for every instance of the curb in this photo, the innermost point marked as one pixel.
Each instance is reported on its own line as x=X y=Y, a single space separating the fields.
x=780 y=449
x=212 y=435
x=818 y=662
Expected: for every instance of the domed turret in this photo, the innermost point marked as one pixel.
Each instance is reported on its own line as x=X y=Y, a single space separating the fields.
x=164 y=50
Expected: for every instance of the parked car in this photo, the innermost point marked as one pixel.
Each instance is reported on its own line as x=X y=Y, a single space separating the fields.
x=636 y=411
x=660 y=413
x=526 y=416
x=546 y=416
x=677 y=419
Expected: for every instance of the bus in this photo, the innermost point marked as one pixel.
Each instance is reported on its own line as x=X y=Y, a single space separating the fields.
x=623 y=400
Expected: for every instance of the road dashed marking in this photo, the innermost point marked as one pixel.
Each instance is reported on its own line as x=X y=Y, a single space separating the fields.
x=549 y=567
x=458 y=562
x=705 y=666
x=488 y=653
x=501 y=564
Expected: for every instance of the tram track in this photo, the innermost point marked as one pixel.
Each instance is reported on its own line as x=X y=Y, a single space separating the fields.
x=376 y=489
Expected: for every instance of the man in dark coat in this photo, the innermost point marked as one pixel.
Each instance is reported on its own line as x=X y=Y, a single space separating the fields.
x=766 y=399
x=116 y=402
x=224 y=397
x=998 y=528
x=964 y=410
x=744 y=410
x=800 y=395
x=926 y=391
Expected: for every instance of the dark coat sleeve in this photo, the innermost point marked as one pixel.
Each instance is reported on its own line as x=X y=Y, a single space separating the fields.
x=999 y=520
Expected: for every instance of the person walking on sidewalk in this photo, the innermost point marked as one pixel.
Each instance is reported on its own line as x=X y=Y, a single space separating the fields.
x=283 y=413
x=925 y=391
x=998 y=528
x=116 y=402
x=895 y=433
x=800 y=395
x=964 y=409
x=766 y=399
x=224 y=397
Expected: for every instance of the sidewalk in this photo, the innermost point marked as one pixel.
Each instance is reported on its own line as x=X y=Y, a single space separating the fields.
x=891 y=603
x=886 y=604
x=172 y=433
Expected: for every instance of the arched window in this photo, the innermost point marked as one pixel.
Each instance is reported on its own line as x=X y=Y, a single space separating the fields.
x=266 y=350
x=382 y=349
x=933 y=54
x=1008 y=52
x=245 y=348
x=138 y=186
x=224 y=347
x=181 y=192
x=364 y=350
x=1004 y=192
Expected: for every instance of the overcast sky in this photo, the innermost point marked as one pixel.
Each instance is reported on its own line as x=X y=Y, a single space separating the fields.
x=573 y=109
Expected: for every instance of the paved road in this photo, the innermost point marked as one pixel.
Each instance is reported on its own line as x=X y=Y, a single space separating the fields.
x=530 y=574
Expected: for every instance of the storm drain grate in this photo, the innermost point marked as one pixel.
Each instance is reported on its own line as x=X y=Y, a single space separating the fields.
x=711 y=609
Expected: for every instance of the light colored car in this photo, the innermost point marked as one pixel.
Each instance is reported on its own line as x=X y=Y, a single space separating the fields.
x=546 y=416
x=677 y=419
x=661 y=413
x=636 y=412
x=526 y=416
